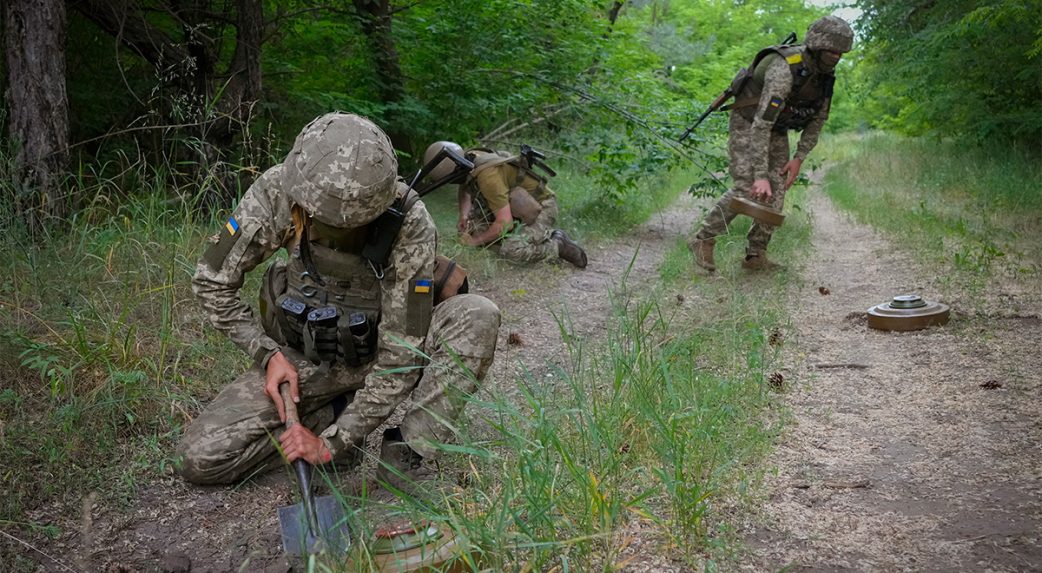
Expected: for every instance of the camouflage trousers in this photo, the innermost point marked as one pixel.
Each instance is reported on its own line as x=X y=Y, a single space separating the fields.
x=741 y=168
x=235 y=436
x=528 y=243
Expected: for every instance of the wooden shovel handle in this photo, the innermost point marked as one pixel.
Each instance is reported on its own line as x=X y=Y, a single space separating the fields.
x=291 y=408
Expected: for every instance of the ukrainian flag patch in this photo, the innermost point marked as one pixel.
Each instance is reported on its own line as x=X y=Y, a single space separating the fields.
x=423 y=285
x=776 y=102
x=232 y=225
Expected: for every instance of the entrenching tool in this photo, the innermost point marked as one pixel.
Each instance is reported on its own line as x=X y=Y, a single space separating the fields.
x=314 y=525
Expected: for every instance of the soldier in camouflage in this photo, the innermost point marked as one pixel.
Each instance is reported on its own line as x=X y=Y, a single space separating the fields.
x=506 y=204
x=353 y=339
x=789 y=88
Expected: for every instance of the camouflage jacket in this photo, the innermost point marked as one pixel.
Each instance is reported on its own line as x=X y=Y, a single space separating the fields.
x=262 y=225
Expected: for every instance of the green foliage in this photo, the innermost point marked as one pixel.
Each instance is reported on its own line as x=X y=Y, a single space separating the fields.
x=971 y=211
x=961 y=68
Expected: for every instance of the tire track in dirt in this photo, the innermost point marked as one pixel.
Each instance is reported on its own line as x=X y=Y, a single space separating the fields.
x=909 y=451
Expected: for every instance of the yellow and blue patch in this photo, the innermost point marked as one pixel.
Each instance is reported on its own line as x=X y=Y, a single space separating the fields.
x=232 y=225
x=423 y=285
x=774 y=105
x=794 y=59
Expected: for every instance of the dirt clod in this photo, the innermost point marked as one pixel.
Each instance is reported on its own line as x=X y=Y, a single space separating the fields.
x=514 y=339
x=991 y=385
x=824 y=291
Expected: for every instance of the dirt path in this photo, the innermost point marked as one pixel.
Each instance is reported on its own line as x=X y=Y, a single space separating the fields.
x=220 y=529
x=909 y=451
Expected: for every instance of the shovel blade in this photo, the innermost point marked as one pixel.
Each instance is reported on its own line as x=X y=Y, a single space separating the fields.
x=333 y=535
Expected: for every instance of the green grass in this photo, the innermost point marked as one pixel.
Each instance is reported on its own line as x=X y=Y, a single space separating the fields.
x=660 y=426
x=655 y=427
x=974 y=211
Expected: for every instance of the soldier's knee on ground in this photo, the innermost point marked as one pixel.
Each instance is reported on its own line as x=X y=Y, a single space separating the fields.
x=203 y=467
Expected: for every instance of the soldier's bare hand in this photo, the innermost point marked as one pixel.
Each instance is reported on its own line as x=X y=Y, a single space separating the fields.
x=281 y=370
x=461 y=225
x=791 y=170
x=761 y=190
x=299 y=442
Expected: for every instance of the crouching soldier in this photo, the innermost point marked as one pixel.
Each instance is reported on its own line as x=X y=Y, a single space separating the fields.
x=505 y=203
x=341 y=319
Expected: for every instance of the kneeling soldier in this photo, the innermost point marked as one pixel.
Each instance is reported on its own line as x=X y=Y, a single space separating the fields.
x=339 y=323
x=504 y=202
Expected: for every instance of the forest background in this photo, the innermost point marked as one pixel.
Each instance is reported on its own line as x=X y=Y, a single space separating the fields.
x=131 y=127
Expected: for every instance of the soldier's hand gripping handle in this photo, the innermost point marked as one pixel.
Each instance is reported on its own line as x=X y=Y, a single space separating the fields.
x=281 y=371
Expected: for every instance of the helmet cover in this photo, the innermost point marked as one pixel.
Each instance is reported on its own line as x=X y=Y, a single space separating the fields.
x=830 y=33
x=341 y=170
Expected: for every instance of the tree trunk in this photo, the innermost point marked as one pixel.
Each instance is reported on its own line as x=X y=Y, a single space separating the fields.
x=244 y=84
x=38 y=126
x=375 y=16
x=613 y=14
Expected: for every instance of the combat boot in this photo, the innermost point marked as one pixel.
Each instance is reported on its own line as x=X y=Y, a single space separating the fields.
x=401 y=467
x=759 y=262
x=568 y=249
x=703 y=251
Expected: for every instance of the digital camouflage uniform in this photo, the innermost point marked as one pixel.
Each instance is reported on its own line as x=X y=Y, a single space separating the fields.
x=758 y=143
x=758 y=151
x=489 y=190
x=234 y=436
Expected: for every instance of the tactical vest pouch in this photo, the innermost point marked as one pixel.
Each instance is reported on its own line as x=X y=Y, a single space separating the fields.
x=320 y=335
x=291 y=318
x=328 y=335
x=523 y=206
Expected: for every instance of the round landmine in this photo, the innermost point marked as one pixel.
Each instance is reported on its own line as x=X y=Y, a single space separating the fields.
x=405 y=548
x=762 y=213
x=907 y=312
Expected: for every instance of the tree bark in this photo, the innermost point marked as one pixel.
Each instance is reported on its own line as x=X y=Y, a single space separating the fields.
x=34 y=46
x=375 y=16
x=244 y=83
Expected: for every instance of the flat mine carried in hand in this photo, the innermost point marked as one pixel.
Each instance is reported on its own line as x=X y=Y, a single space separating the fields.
x=762 y=213
x=907 y=312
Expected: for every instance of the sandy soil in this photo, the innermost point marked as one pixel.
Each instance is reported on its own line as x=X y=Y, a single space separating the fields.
x=909 y=452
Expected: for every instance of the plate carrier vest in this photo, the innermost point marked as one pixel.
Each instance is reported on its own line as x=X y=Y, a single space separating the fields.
x=325 y=300
x=810 y=90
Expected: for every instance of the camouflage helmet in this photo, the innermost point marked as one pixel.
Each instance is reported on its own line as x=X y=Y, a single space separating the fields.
x=446 y=166
x=341 y=170
x=830 y=33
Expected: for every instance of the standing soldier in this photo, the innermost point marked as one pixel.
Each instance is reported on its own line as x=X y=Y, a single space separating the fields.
x=337 y=325
x=787 y=87
x=506 y=203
